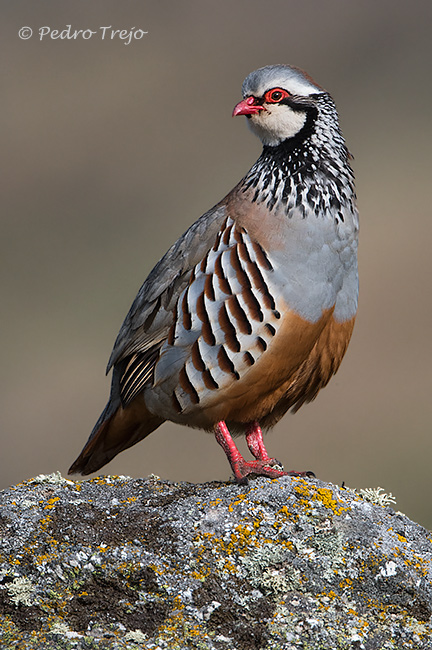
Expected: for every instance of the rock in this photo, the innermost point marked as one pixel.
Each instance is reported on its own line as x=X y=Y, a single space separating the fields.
x=116 y=562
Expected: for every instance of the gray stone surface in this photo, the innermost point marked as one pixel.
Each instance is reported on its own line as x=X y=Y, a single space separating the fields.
x=116 y=562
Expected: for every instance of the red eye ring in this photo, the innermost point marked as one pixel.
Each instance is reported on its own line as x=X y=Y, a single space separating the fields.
x=276 y=95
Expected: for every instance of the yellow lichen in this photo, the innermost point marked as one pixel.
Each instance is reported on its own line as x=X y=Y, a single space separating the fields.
x=310 y=493
x=51 y=503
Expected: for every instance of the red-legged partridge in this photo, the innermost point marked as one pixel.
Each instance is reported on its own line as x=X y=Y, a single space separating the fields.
x=250 y=312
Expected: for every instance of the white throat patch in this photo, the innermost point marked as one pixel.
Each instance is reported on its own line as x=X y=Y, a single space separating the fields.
x=276 y=124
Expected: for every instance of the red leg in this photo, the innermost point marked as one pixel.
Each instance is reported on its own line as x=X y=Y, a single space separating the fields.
x=241 y=468
x=262 y=466
x=255 y=442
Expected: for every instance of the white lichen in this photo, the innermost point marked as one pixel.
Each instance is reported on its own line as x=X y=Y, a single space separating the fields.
x=53 y=479
x=135 y=637
x=62 y=629
x=388 y=570
x=377 y=496
x=21 y=591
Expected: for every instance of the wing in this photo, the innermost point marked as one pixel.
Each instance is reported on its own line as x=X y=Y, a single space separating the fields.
x=150 y=317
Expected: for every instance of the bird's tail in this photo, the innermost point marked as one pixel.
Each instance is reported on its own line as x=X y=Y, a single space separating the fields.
x=117 y=429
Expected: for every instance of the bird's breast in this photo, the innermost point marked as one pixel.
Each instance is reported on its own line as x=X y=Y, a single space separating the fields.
x=316 y=269
x=314 y=256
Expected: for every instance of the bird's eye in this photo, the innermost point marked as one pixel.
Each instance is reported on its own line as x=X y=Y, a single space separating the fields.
x=275 y=95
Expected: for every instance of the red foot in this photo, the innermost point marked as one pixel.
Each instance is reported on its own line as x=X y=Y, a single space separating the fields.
x=242 y=469
x=262 y=466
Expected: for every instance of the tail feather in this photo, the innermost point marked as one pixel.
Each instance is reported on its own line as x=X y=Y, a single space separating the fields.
x=117 y=429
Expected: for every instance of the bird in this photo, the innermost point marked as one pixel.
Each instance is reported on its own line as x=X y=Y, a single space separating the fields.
x=249 y=314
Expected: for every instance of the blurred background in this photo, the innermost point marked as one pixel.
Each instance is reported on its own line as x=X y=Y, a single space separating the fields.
x=110 y=151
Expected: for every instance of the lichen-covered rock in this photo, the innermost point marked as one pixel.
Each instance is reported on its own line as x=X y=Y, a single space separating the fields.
x=116 y=562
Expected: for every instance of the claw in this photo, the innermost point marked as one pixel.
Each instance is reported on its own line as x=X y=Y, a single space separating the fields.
x=307 y=474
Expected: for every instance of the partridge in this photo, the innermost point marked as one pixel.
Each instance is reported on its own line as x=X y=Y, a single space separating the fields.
x=249 y=313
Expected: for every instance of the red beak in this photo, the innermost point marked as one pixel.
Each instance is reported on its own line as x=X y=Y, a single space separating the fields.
x=247 y=107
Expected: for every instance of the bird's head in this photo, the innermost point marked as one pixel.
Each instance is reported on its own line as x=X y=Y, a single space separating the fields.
x=277 y=101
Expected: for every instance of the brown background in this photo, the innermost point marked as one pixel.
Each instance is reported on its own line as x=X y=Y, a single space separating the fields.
x=111 y=151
